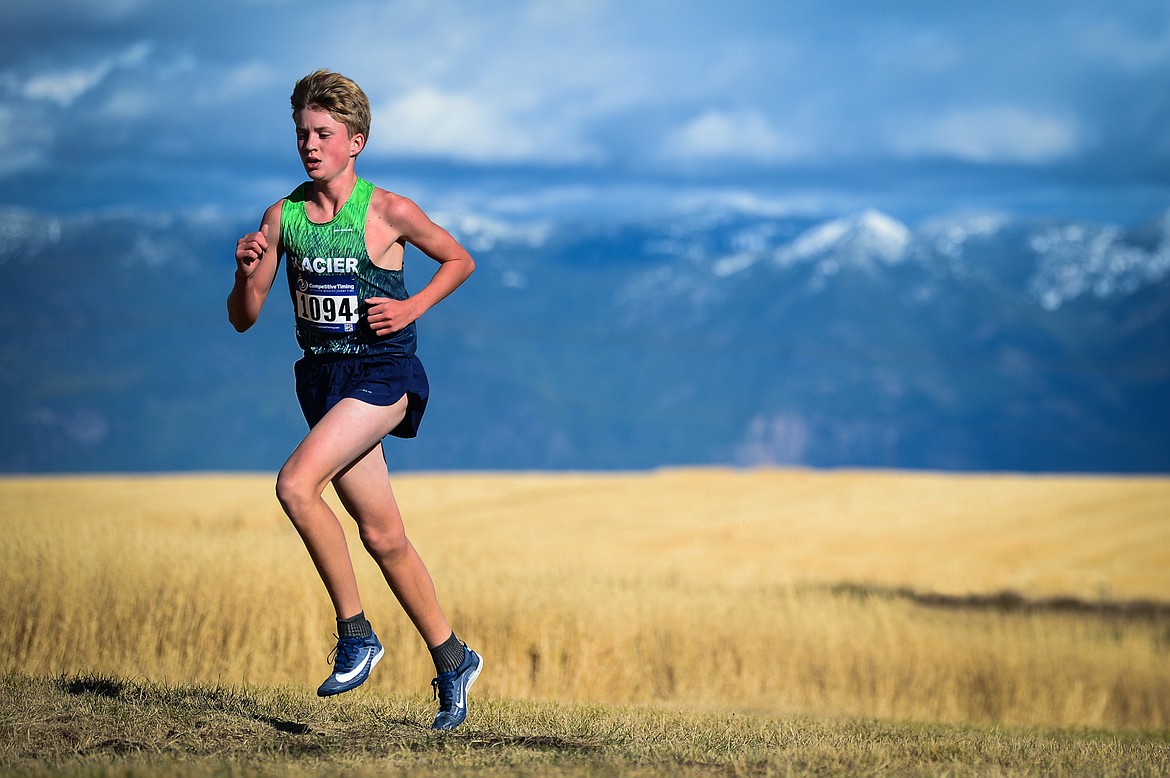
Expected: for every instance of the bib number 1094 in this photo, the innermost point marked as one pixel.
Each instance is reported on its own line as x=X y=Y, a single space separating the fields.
x=330 y=312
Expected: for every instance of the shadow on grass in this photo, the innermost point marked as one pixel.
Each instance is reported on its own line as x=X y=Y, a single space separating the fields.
x=113 y=689
x=486 y=740
x=95 y=685
x=281 y=725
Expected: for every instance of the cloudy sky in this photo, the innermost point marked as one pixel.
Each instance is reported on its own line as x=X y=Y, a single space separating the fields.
x=612 y=107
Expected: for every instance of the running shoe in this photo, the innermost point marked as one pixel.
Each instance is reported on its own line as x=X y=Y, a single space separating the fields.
x=353 y=659
x=451 y=691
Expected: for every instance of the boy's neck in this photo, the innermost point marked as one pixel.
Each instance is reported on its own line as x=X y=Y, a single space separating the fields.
x=331 y=195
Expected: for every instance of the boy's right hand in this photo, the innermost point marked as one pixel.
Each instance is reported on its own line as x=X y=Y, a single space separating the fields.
x=249 y=250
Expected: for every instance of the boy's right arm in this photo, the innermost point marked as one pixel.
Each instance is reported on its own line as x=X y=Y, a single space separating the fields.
x=257 y=257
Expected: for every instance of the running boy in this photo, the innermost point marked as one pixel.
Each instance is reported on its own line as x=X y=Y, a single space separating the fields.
x=343 y=240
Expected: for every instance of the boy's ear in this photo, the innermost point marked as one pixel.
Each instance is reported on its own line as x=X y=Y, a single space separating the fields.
x=356 y=144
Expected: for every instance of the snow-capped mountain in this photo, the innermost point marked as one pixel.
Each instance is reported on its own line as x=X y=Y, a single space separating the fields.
x=864 y=240
x=973 y=341
x=1063 y=261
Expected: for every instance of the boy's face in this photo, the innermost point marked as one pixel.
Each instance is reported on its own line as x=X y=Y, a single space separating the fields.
x=325 y=145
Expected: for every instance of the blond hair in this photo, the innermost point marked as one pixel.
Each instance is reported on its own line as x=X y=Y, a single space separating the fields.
x=339 y=96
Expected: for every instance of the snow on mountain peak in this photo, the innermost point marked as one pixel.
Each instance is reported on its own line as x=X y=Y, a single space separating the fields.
x=1078 y=259
x=860 y=240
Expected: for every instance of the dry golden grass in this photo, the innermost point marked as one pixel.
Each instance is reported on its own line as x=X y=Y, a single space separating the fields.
x=705 y=589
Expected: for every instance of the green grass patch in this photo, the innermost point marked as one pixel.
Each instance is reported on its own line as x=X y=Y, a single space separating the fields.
x=101 y=725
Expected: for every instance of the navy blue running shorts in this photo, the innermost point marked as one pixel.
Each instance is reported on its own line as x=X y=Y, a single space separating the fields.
x=377 y=380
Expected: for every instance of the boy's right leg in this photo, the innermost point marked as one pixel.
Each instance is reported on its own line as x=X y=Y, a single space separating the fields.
x=345 y=435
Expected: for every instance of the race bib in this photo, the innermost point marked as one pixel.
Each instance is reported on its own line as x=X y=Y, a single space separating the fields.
x=328 y=305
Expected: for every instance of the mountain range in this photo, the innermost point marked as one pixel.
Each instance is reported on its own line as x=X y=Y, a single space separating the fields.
x=980 y=341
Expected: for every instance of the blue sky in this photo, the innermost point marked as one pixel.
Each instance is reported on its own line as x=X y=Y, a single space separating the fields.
x=610 y=108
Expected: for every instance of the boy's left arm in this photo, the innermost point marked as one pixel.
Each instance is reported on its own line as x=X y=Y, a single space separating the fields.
x=455 y=265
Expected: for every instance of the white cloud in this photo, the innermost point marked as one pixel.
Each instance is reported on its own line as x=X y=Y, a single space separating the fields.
x=716 y=200
x=247 y=79
x=430 y=122
x=63 y=87
x=742 y=135
x=992 y=134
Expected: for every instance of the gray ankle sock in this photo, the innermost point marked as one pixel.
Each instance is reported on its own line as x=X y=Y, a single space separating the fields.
x=448 y=655
x=354 y=627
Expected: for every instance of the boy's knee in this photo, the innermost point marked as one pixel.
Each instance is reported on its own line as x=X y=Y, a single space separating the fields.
x=384 y=544
x=293 y=490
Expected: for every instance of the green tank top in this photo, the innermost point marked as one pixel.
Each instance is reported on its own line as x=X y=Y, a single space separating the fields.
x=330 y=276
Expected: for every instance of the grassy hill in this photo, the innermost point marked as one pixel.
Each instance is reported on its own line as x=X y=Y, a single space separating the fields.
x=98 y=725
x=669 y=622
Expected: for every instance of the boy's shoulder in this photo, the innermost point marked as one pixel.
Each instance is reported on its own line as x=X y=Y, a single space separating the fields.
x=272 y=212
x=391 y=205
x=386 y=196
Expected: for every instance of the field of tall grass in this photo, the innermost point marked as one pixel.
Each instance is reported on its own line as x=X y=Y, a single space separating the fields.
x=769 y=592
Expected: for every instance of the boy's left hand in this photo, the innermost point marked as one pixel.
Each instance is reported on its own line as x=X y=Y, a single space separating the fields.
x=386 y=315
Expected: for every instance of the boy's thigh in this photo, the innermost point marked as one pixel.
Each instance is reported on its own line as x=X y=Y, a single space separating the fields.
x=350 y=431
x=364 y=489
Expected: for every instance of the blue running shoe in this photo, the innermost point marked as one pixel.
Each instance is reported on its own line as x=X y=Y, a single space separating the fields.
x=451 y=690
x=353 y=659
